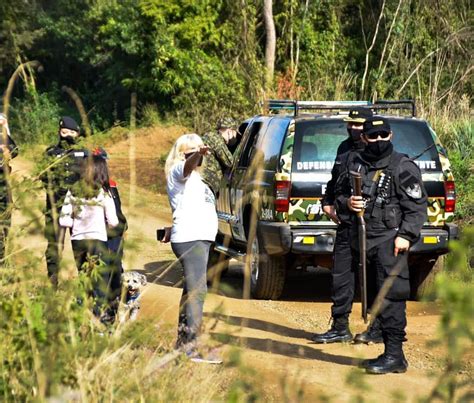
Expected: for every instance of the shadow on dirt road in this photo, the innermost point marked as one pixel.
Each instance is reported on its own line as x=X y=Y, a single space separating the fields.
x=309 y=286
x=285 y=349
x=259 y=324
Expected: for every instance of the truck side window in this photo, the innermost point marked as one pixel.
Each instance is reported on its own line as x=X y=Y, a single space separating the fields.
x=245 y=157
x=270 y=143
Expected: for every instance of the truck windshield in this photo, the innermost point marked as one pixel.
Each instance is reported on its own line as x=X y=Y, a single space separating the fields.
x=316 y=143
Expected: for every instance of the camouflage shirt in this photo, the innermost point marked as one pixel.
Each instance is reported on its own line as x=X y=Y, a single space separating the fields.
x=219 y=160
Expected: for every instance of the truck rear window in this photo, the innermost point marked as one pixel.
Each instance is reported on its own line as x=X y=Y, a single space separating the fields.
x=316 y=143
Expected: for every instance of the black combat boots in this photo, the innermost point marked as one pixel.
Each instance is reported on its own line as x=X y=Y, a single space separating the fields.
x=338 y=333
x=391 y=361
x=373 y=334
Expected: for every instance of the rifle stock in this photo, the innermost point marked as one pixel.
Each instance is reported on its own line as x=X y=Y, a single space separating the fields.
x=357 y=186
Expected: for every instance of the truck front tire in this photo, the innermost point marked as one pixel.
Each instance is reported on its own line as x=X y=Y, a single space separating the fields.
x=267 y=272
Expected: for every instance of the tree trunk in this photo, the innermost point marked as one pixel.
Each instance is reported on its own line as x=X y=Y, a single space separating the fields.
x=270 y=44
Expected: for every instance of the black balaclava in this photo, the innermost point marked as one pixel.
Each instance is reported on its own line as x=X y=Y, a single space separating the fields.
x=70 y=141
x=67 y=122
x=354 y=135
x=377 y=150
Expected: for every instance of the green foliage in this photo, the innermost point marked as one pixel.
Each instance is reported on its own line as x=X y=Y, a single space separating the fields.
x=458 y=137
x=18 y=32
x=199 y=60
x=463 y=167
x=150 y=115
x=191 y=66
x=34 y=119
x=42 y=333
x=455 y=292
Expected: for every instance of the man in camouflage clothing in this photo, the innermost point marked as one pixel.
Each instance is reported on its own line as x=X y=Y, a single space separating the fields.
x=220 y=158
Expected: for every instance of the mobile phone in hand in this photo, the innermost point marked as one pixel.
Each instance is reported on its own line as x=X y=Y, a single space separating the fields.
x=160 y=234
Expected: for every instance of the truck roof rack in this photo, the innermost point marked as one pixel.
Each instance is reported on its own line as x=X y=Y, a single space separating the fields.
x=278 y=105
x=401 y=104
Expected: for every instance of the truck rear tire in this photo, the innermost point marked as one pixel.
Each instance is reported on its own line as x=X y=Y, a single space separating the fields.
x=423 y=270
x=267 y=272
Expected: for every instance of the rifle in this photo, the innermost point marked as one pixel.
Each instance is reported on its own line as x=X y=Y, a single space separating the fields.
x=357 y=186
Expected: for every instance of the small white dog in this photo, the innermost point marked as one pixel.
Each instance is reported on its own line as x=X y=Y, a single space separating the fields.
x=132 y=286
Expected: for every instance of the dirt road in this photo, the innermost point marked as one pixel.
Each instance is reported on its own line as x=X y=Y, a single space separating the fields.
x=273 y=335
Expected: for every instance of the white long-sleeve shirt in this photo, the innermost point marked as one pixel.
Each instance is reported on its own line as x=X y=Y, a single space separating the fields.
x=88 y=218
x=193 y=205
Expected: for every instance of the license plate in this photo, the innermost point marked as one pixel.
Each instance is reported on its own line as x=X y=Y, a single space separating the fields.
x=430 y=239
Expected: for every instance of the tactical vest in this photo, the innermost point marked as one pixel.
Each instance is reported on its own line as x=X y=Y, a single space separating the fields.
x=382 y=209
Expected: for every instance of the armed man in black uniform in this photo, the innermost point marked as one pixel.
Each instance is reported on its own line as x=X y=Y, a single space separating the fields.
x=64 y=161
x=394 y=202
x=343 y=274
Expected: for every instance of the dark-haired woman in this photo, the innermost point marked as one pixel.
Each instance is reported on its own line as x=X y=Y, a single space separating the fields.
x=88 y=209
x=115 y=242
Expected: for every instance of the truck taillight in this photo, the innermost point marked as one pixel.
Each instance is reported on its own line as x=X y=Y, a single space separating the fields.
x=282 y=196
x=449 y=196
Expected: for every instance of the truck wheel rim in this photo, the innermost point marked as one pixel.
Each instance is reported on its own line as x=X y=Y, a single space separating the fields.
x=254 y=263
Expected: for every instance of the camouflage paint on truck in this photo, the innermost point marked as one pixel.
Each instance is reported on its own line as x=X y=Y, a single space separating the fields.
x=285 y=162
x=306 y=210
x=436 y=214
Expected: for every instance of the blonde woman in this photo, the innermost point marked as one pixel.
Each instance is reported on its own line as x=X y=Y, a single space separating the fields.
x=194 y=229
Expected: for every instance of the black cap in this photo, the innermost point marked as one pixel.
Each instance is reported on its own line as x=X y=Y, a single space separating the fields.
x=376 y=124
x=67 y=122
x=359 y=115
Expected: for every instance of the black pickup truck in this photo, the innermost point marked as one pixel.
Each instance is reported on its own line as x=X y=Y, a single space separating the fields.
x=269 y=203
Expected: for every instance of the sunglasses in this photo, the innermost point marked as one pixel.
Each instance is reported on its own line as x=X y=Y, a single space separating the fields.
x=376 y=135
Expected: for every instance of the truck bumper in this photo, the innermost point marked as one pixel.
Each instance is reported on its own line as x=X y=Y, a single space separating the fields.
x=435 y=240
x=280 y=239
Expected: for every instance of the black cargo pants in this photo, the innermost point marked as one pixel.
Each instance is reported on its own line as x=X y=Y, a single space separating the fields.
x=392 y=277
x=5 y=217
x=54 y=235
x=344 y=275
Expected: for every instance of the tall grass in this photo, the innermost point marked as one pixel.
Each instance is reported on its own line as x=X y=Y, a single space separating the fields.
x=52 y=346
x=455 y=290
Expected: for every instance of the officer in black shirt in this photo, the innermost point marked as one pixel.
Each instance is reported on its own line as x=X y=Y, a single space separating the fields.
x=395 y=207
x=343 y=272
x=64 y=161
